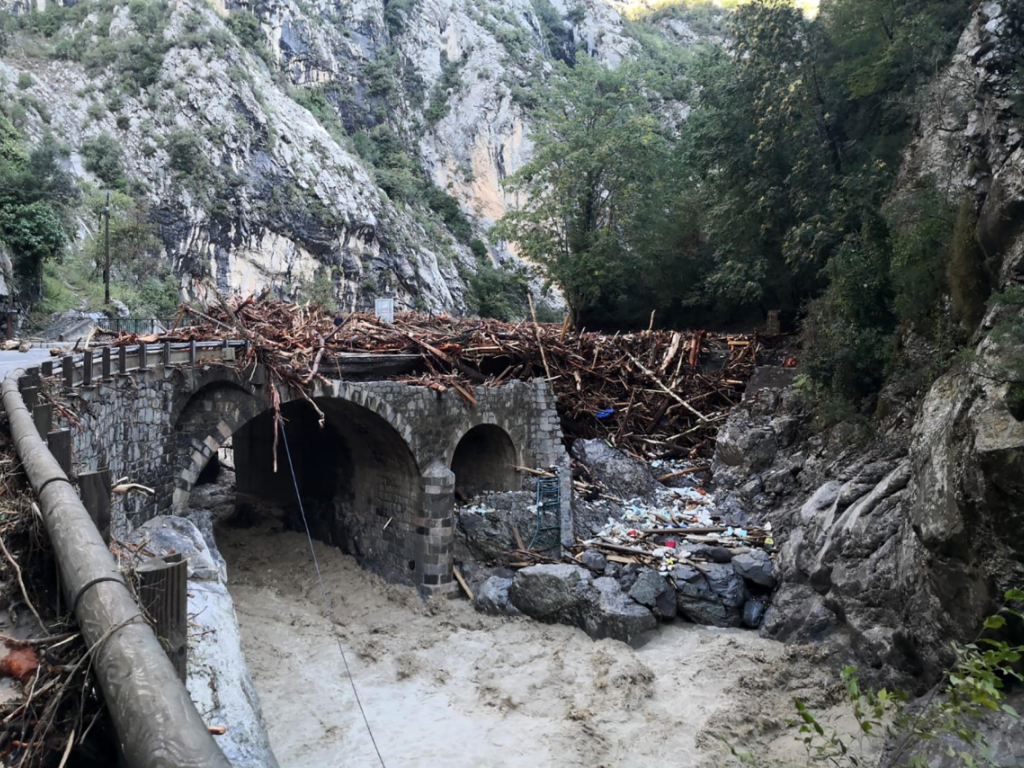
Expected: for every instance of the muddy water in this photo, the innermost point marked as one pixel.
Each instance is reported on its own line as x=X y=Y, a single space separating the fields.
x=445 y=686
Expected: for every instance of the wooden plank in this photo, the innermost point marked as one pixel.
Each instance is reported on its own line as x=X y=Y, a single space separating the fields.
x=462 y=582
x=87 y=368
x=59 y=443
x=163 y=595
x=67 y=369
x=94 y=488
x=42 y=415
x=31 y=396
x=681 y=472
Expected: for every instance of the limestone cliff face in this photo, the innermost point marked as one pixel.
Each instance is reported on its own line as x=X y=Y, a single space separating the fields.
x=250 y=188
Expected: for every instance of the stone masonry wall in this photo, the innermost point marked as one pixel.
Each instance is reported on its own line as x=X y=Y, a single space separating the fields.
x=159 y=427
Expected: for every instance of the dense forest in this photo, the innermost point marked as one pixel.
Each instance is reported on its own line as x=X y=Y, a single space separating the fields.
x=777 y=191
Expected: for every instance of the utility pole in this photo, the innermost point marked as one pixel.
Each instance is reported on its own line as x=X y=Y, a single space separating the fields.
x=106 y=249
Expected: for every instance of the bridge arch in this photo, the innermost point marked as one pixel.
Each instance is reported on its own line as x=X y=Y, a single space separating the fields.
x=360 y=483
x=484 y=459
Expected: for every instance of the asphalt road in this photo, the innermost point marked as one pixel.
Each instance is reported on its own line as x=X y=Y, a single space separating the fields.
x=11 y=360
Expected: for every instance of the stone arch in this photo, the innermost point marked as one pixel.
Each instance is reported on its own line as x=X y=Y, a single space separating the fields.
x=484 y=459
x=360 y=485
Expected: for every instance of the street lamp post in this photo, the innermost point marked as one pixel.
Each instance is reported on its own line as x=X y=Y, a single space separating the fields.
x=106 y=253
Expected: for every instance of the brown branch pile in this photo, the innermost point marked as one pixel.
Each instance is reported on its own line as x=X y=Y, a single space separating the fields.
x=653 y=392
x=50 y=707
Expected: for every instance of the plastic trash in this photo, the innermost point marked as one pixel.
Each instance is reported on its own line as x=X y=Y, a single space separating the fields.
x=604 y=414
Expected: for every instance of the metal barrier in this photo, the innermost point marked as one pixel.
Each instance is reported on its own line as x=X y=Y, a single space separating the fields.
x=139 y=325
x=156 y=721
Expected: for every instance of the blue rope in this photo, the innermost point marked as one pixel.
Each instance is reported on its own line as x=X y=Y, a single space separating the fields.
x=323 y=591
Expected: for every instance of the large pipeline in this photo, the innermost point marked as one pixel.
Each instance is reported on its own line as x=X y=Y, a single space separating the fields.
x=153 y=714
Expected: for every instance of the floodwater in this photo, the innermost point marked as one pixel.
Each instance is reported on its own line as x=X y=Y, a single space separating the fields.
x=445 y=686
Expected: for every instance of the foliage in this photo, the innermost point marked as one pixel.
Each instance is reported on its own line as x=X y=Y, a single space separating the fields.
x=497 y=292
x=401 y=177
x=185 y=153
x=599 y=153
x=440 y=95
x=37 y=198
x=319 y=290
x=246 y=27
x=970 y=281
x=949 y=718
x=557 y=37
x=397 y=14
x=921 y=225
x=320 y=101
x=103 y=157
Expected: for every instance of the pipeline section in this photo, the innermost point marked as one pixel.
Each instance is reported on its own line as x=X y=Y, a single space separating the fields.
x=153 y=714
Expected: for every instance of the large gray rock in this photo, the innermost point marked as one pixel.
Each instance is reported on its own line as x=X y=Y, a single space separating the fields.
x=568 y=594
x=553 y=593
x=492 y=597
x=624 y=476
x=218 y=678
x=594 y=560
x=713 y=594
x=610 y=613
x=756 y=566
x=654 y=591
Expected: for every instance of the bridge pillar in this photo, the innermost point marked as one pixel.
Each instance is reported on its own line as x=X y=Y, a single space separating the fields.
x=433 y=531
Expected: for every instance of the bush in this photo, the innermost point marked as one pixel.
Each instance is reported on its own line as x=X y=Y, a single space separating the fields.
x=496 y=292
x=397 y=13
x=25 y=81
x=450 y=80
x=247 y=29
x=103 y=157
x=921 y=229
x=185 y=151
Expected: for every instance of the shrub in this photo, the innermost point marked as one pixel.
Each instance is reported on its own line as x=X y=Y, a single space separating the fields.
x=25 y=81
x=247 y=29
x=186 y=154
x=496 y=292
x=397 y=14
x=103 y=156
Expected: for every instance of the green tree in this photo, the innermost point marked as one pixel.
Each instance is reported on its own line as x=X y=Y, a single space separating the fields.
x=104 y=157
x=600 y=157
x=37 y=197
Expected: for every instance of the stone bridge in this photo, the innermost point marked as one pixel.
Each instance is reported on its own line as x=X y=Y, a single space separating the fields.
x=377 y=462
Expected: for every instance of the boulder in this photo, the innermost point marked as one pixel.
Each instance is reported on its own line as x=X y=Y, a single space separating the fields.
x=492 y=597
x=755 y=566
x=610 y=613
x=552 y=593
x=623 y=476
x=595 y=561
x=714 y=595
x=653 y=590
x=218 y=678
x=568 y=594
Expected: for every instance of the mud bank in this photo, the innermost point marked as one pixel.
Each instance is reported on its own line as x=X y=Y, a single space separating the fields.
x=444 y=685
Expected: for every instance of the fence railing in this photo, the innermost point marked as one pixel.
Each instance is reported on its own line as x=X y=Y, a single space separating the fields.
x=139 y=325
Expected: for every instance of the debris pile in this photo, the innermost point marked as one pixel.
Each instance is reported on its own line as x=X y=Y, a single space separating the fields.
x=656 y=393
x=49 y=702
x=680 y=528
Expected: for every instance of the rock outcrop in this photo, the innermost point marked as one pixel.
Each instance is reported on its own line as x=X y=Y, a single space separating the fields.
x=279 y=143
x=218 y=678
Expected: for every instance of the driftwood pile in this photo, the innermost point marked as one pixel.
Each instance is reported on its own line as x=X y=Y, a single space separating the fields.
x=654 y=393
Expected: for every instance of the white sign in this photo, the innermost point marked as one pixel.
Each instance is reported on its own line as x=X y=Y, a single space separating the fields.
x=385 y=310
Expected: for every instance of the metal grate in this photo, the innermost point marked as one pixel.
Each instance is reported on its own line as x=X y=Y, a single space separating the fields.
x=549 y=514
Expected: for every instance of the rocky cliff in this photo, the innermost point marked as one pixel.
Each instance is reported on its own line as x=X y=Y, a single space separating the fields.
x=891 y=545
x=279 y=142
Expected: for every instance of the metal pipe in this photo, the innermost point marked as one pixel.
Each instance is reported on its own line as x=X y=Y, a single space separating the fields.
x=156 y=722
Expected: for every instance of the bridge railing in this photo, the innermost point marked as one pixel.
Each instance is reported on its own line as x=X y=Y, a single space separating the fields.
x=103 y=364
x=157 y=723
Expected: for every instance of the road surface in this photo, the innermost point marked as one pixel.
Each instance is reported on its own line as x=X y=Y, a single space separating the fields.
x=11 y=360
